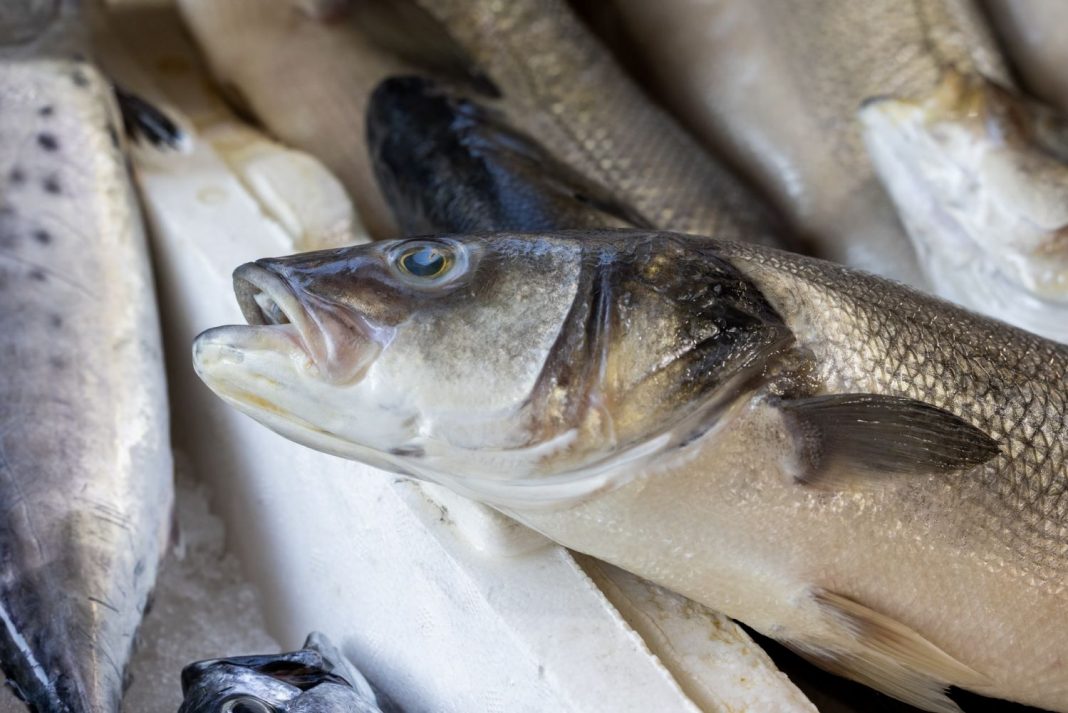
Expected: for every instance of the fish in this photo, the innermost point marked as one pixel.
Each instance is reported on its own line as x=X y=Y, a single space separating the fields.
x=561 y=87
x=85 y=462
x=775 y=88
x=871 y=475
x=447 y=163
x=979 y=175
x=316 y=679
x=1030 y=33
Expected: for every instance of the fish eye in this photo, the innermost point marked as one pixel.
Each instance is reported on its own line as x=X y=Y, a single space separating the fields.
x=428 y=262
x=247 y=704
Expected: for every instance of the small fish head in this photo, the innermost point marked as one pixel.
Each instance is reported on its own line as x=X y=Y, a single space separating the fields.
x=980 y=178
x=296 y=682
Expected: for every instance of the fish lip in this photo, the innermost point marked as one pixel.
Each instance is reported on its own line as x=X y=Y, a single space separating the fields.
x=340 y=342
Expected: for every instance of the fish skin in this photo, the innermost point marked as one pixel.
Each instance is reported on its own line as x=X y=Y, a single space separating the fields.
x=909 y=581
x=1032 y=34
x=979 y=175
x=561 y=87
x=446 y=163
x=316 y=679
x=774 y=86
x=85 y=463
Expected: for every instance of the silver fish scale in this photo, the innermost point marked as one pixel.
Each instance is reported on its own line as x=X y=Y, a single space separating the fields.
x=84 y=459
x=1003 y=380
x=562 y=87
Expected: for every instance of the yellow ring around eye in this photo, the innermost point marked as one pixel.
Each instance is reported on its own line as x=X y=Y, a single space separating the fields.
x=425 y=261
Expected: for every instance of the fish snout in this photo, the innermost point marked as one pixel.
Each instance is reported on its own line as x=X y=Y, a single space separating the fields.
x=340 y=341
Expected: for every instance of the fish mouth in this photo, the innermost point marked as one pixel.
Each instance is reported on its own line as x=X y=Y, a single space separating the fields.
x=338 y=343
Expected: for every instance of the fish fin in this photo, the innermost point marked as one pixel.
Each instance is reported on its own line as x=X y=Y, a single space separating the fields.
x=146 y=123
x=886 y=655
x=845 y=439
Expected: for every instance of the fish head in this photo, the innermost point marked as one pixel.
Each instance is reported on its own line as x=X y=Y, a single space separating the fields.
x=448 y=161
x=486 y=361
x=315 y=679
x=979 y=175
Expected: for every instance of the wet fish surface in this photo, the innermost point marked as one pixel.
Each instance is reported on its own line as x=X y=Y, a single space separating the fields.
x=563 y=89
x=316 y=679
x=447 y=163
x=85 y=464
x=870 y=475
x=776 y=86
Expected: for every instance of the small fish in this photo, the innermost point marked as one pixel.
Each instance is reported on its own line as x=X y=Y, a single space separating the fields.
x=875 y=477
x=979 y=175
x=316 y=679
x=775 y=86
x=85 y=461
x=446 y=163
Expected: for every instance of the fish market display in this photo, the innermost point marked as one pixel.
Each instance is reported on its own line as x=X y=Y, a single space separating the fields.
x=316 y=679
x=447 y=164
x=979 y=175
x=870 y=475
x=777 y=86
x=1032 y=33
x=85 y=464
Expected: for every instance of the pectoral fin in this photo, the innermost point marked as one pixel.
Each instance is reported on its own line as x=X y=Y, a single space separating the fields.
x=886 y=655
x=852 y=437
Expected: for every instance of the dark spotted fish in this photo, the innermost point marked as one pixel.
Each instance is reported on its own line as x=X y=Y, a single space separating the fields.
x=85 y=464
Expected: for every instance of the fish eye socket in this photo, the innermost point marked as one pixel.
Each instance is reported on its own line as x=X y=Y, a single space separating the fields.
x=426 y=260
x=247 y=704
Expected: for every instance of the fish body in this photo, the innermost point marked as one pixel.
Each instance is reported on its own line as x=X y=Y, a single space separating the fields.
x=560 y=86
x=85 y=464
x=979 y=175
x=447 y=163
x=316 y=679
x=1032 y=35
x=776 y=86
x=873 y=476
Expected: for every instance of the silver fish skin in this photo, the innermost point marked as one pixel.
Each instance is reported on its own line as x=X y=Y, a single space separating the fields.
x=316 y=679
x=775 y=86
x=85 y=462
x=873 y=476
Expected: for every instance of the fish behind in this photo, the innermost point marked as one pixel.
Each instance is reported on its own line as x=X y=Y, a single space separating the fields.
x=85 y=463
x=870 y=475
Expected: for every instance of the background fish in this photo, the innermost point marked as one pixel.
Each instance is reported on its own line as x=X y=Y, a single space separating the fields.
x=1032 y=34
x=867 y=474
x=85 y=464
x=775 y=85
x=979 y=175
x=316 y=679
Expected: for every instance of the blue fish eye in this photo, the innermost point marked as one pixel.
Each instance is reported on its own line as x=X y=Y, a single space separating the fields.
x=247 y=704
x=426 y=261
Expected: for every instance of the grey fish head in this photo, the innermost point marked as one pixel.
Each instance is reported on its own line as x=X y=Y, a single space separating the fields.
x=315 y=679
x=486 y=361
x=448 y=162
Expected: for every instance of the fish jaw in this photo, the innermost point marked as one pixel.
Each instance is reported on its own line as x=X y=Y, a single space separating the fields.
x=980 y=179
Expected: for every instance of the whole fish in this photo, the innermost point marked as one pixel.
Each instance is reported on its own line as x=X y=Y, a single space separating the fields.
x=871 y=475
x=446 y=163
x=85 y=463
x=979 y=175
x=1032 y=33
x=316 y=679
x=776 y=85
x=560 y=86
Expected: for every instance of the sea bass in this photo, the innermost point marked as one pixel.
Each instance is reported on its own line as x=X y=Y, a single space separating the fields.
x=316 y=679
x=447 y=163
x=873 y=476
x=561 y=86
x=85 y=463
x=776 y=86
x=979 y=175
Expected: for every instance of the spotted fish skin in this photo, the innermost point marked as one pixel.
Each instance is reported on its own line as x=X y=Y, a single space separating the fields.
x=85 y=464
